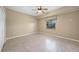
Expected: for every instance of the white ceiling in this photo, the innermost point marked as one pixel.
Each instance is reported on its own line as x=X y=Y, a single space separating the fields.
x=28 y=9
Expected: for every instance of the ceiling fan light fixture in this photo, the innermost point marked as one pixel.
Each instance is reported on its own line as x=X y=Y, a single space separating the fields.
x=40 y=10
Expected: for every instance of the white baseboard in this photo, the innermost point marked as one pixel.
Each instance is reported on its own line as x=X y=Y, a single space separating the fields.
x=59 y=36
x=67 y=38
x=19 y=36
x=42 y=33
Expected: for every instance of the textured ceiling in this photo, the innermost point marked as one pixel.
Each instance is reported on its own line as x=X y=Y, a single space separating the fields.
x=28 y=9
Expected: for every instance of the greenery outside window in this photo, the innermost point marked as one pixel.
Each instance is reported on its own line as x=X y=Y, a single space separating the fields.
x=51 y=23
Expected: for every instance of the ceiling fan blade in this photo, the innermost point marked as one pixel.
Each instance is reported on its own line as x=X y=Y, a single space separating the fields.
x=34 y=9
x=45 y=9
x=36 y=12
x=40 y=10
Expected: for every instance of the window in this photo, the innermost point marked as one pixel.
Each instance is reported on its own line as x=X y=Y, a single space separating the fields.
x=51 y=23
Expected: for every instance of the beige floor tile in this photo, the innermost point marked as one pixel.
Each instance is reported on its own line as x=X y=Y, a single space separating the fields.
x=40 y=43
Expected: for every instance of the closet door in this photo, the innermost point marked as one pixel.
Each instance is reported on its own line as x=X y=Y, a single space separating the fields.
x=2 y=27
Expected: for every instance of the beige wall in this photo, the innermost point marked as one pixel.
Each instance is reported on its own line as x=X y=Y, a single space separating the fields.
x=67 y=25
x=19 y=24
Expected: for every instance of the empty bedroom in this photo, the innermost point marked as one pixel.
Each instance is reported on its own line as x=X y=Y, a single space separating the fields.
x=39 y=29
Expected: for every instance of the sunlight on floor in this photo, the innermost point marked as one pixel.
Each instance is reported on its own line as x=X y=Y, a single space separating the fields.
x=50 y=45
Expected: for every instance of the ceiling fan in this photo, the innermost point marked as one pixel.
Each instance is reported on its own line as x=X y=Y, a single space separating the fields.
x=40 y=9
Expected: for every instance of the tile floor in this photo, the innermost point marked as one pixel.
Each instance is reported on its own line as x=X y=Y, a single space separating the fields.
x=40 y=43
